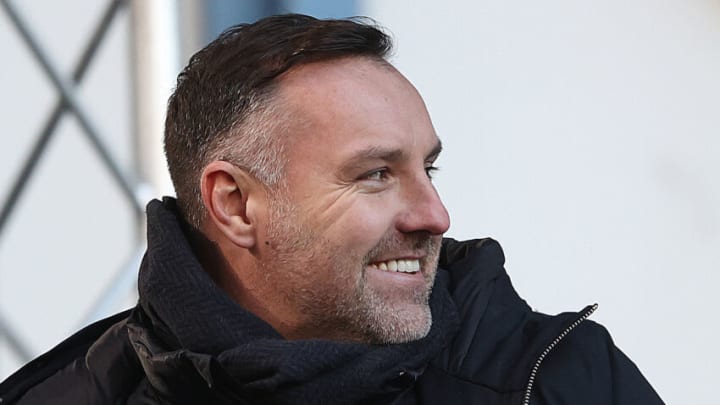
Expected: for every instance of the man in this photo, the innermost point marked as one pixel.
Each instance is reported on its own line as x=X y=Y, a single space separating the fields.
x=303 y=260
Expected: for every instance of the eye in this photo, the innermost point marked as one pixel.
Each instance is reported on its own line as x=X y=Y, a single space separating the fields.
x=376 y=175
x=430 y=170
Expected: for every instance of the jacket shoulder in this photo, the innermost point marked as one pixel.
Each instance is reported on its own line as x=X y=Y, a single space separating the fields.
x=71 y=363
x=503 y=346
x=587 y=367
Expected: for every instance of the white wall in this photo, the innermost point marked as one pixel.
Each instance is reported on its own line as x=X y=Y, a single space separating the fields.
x=585 y=137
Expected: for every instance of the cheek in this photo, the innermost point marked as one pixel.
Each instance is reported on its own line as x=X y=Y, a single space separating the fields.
x=363 y=221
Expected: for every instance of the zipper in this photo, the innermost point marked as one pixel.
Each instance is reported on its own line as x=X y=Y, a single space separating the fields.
x=585 y=315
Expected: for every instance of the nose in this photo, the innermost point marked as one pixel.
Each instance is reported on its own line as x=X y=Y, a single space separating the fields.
x=424 y=211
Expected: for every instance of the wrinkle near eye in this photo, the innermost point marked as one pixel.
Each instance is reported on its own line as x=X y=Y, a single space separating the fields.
x=335 y=205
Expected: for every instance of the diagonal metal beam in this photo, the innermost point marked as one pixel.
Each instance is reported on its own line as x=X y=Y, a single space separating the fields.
x=124 y=281
x=13 y=341
x=6 y=331
x=73 y=105
x=53 y=119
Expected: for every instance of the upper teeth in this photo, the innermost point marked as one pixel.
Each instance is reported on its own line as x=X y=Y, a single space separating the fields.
x=401 y=265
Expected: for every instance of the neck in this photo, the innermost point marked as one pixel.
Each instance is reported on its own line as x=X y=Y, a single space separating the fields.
x=237 y=272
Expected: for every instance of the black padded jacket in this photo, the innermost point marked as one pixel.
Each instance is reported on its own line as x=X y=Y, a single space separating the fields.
x=187 y=343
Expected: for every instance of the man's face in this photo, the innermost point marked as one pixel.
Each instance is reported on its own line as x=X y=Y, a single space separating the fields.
x=354 y=234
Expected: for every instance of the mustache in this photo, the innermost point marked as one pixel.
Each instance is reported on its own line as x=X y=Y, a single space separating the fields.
x=420 y=243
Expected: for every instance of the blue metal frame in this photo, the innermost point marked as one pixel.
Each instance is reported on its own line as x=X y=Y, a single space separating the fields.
x=220 y=14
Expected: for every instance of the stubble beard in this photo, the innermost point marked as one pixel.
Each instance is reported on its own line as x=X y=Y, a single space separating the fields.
x=329 y=286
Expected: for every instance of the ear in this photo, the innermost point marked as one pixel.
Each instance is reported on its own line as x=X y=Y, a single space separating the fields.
x=231 y=196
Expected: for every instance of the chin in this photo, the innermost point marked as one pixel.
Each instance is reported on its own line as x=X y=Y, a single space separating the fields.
x=402 y=326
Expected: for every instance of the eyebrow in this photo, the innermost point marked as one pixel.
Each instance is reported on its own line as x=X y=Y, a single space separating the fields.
x=435 y=152
x=387 y=154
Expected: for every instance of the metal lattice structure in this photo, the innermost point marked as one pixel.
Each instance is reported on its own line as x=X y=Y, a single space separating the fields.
x=156 y=60
x=68 y=104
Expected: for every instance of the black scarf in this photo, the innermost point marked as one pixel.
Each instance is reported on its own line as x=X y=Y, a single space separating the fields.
x=191 y=338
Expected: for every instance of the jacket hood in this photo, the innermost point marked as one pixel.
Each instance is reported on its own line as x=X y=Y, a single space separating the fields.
x=187 y=326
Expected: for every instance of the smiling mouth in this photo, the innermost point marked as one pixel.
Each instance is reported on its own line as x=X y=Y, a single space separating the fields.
x=398 y=266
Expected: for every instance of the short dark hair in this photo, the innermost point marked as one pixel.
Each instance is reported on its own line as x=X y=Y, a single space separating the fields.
x=216 y=111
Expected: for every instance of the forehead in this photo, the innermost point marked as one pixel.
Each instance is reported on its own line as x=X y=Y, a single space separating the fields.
x=353 y=101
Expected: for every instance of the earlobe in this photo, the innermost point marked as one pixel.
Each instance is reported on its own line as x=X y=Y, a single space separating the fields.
x=226 y=191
